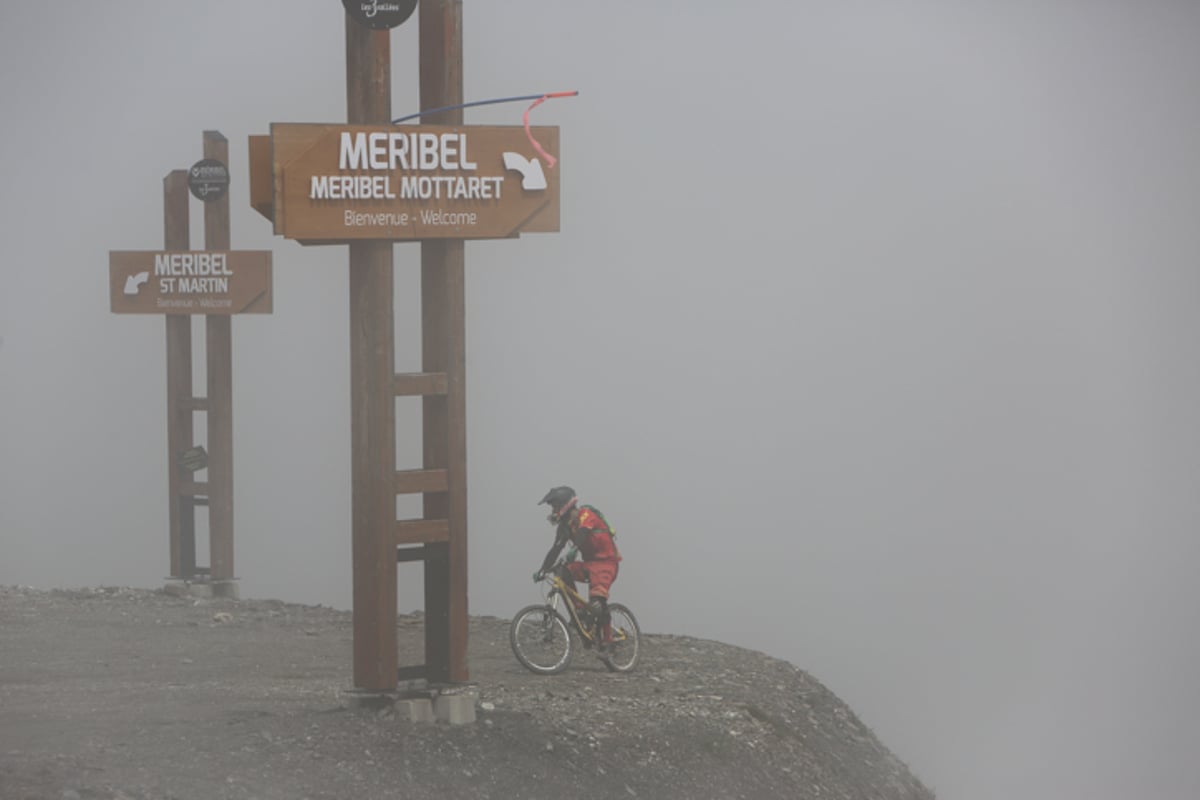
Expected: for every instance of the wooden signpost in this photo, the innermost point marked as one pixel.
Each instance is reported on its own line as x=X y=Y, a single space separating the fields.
x=334 y=183
x=369 y=184
x=178 y=282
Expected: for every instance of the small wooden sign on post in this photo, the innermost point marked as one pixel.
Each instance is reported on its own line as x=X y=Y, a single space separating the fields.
x=194 y=459
x=192 y=282
x=177 y=282
x=380 y=15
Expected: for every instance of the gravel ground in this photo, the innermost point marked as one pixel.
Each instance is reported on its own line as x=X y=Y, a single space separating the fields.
x=130 y=694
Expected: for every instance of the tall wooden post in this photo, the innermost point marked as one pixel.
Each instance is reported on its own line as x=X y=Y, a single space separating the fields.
x=181 y=508
x=292 y=184
x=218 y=348
x=443 y=331
x=372 y=399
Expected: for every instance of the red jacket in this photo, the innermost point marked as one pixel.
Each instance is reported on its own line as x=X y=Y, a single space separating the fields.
x=593 y=538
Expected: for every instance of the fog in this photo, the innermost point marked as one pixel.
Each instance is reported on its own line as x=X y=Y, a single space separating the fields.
x=871 y=327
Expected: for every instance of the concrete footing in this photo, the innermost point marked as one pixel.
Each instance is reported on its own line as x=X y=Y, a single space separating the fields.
x=198 y=587
x=456 y=704
x=453 y=704
x=415 y=709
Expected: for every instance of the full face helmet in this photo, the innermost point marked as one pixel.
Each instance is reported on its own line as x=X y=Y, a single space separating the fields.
x=561 y=500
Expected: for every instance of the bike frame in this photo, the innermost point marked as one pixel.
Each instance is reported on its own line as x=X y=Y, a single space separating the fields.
x=559 y=588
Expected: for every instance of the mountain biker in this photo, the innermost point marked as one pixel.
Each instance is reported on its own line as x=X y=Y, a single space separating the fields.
x=590 y=533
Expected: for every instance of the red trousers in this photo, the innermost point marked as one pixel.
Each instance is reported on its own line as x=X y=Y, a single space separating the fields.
x=599 y=575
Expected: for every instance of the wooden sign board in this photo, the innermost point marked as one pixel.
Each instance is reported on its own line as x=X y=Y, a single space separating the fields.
x=191 y=282
x=337 y=183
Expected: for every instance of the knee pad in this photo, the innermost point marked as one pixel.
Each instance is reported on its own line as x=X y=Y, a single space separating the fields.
x=598 y=609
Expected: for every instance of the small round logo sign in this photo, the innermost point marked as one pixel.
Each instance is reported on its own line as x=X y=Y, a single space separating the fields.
x=208 y=179
x=380 y=14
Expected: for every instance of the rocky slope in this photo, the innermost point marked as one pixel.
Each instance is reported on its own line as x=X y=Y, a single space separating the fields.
x=137 y=695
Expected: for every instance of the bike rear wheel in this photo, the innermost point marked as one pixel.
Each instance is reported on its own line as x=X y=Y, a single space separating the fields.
x=540 y=640
x=622 y=655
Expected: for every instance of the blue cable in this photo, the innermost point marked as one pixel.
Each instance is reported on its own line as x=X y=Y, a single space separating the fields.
x=468 y=105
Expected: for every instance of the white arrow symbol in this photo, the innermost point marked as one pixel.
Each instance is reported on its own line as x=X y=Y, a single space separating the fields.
x=133 y=282
x=532 y=177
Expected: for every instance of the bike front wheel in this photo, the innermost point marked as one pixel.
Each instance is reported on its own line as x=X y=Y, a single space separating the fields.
x=540 y=640
x=626 y=647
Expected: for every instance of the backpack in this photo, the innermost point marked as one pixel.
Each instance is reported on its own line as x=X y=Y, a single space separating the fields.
x=611 y=530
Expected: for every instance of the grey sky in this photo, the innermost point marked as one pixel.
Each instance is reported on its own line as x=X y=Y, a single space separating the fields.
x=872 y=327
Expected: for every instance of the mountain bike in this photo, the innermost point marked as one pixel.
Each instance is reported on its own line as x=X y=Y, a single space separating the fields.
x=541 y=635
